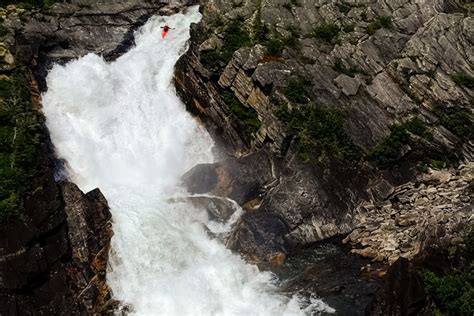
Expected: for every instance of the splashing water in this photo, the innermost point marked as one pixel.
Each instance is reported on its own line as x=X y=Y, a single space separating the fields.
x=121 y=127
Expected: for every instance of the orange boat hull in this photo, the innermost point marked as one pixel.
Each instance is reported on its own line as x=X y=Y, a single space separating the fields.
x=164 y=33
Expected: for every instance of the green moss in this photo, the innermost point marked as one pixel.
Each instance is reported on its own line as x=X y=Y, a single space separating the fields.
x=457 y=119
x=463 y=80
x=378 y=23
x=318 y=127
x=388 y=152
x=246 y=116
x=326 y=32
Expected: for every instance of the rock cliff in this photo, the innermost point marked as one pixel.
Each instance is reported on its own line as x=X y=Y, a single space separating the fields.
x=337 y=116
x=357 y=67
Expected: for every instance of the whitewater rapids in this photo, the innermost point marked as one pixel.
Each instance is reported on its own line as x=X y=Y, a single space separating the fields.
x=120 y=127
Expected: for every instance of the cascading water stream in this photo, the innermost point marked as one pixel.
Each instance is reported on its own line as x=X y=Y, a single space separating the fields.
x=121 y=127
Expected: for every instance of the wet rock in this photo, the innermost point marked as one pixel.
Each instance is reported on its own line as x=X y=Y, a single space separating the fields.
x=259 y=237
x=402 y=293
x=240 y=179
x=218 y=209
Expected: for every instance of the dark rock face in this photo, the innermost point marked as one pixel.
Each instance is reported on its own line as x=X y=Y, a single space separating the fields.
x=57 y=265
x=346 y=282
x=403 y=292
x=242 y=179
x=259 y=237
x=90 y=231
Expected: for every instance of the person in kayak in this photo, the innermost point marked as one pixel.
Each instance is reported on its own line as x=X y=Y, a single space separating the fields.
x=165 y=31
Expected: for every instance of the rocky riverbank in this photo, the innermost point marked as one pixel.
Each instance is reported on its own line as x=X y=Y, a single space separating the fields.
x=432 y=210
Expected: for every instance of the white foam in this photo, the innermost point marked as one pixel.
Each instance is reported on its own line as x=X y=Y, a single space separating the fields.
x=121 y=127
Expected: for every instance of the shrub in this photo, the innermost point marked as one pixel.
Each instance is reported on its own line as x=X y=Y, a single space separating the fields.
x=326 y=32
x=349 y=28
x=438 y=164
x=344 y=7
x=295 y=91
x=20 y=139
x=388 y=152
x=247 y=117
x=235 y=37
x=319 y=127
x=378 y=23
x=260 y=30
x=453 y=292
x=463 y=80
x=274 y=47
x=456 y=119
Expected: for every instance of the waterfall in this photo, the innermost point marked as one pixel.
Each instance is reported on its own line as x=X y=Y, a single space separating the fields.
x=120 y=127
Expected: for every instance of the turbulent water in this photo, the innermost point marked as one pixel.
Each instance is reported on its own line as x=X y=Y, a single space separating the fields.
x=121 y=127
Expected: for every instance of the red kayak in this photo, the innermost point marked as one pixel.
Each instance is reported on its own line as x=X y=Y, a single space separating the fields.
x=165 y=31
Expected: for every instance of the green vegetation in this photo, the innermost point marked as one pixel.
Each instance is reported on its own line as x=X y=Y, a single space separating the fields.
x=20 y=138
x=463 y=80
x=296 y=92
x=344 y=7
x=326 y=32
x=318 y=127
x=457 y=119
x=348 y=27
x=276 y=44
x=235 y=37
x=260 y=30
x=453 y=293
x=378 y=23
x=388 y=151
x=289 y=6
x=439 y=164
x=247 y=117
